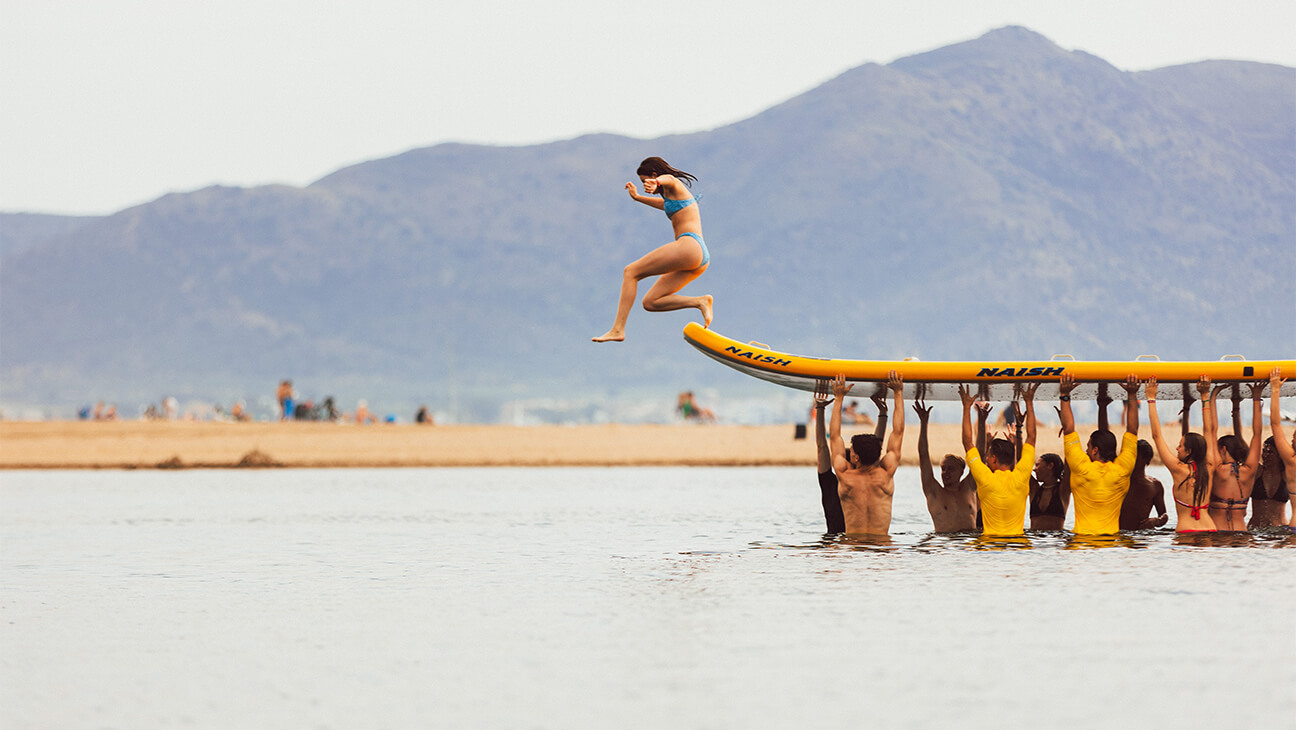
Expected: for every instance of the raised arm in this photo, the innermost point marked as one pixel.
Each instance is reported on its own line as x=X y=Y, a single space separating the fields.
x=821 y=400
x=651 y=201
x=1131 y=405
x=1257 y=428
x=965 y=395
x=1237 y=413
x=1030 y=414
x=983 y=416
x=1210 y=423
x=835 y=443
x=929 y=479
x=879 y=400
x=1104 y=400
x=892 y=459
x=1066 y=384
x=1185 y=415
x=1168 y=457
x=1281 y=442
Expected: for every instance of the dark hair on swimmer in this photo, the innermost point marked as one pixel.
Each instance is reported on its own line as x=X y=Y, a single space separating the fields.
x=654 y=166
x=867 y=447
x=1002 y=450
x=1234 y=446
x=1105 y=442
x=1144 y=453
x=1195 y=443
x=1056 y=464
x=1270 y=454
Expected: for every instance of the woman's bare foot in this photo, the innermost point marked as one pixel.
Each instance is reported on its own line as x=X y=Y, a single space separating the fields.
x=705 y=308
x=609 y=336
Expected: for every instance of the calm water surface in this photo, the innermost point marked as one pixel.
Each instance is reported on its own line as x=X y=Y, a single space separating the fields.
x=640 y=597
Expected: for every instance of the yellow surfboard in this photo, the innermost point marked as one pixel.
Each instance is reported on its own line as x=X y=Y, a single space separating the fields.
x=996 y=381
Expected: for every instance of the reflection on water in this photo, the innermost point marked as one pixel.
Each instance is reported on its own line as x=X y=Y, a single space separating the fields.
x=571 y=598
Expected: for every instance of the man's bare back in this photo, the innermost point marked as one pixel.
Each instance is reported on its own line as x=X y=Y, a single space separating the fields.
x=866 y=500
x=865 y=479
x=1144 y=494
x=952 y=509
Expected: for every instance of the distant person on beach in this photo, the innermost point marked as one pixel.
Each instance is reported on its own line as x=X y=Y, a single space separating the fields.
x=678 y=262
x=285 y=397
x=828 y=495
x=1003 y=482
x=1050 y=493
x=1270 y=496
x=1237 y=465
x=1286 y=448
x=363 y=415
x=1189 y=468
x=866 y=474
x=1144 y=495
x=1099 y=473
x=691 y=411
x=951 y=499
x=423 y=418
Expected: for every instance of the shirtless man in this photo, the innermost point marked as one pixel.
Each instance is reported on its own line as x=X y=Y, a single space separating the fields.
x=1144 y=494
x=1003 y=482
x=1237 y=465
x=866 y=480
x=832 y=508
x=952 y=499
x=1100 y=475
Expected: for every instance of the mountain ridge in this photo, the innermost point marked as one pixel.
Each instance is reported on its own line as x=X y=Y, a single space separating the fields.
x=1033 y=192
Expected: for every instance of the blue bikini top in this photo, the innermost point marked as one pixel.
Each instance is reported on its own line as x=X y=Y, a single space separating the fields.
x=674 y=206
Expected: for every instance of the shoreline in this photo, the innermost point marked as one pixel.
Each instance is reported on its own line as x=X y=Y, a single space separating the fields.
x=164 y=445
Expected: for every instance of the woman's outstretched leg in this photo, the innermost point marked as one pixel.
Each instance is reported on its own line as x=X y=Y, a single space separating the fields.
x=677 y=262
x=629 y=287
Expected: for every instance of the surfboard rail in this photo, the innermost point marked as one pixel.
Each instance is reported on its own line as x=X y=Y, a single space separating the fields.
x=994 y=381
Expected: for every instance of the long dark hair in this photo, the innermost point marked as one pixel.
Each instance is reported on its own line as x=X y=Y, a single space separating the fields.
x=1270 y=454
x=654 y=166
x=1195 y=443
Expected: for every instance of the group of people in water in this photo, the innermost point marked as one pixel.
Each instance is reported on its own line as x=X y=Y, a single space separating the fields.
x=995 y=487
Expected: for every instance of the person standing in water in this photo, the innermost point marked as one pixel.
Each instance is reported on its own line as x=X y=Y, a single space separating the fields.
x=1189 y=469
x=1286 y=449
x=866 y=473
x=676 y=263
x=1100 y=474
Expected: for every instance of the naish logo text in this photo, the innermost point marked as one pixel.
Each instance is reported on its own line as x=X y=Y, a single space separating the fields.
x=756 y=357
x=1018 y=372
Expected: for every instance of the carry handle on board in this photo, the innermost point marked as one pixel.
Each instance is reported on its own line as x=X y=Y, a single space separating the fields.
x=1232 y=357
x=1147 y=358
x=1063 y=357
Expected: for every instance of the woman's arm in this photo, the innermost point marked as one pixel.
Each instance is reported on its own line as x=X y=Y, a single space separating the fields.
x=1169 y=458
x=651 y=201
x=1210 y=422
x=1281 y=442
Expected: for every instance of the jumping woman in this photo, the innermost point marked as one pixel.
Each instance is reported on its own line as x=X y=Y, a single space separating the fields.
x=678 y=262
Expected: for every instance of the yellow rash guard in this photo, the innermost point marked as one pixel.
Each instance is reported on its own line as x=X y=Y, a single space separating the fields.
x=1003 y=494
x=1099 y=487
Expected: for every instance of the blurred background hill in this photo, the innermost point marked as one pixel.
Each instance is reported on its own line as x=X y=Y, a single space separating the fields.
x=1000 y=198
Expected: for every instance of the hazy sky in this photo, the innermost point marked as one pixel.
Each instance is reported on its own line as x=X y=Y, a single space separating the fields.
x=111 y=103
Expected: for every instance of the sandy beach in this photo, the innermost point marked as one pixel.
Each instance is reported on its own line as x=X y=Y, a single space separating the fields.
x=184 y=444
